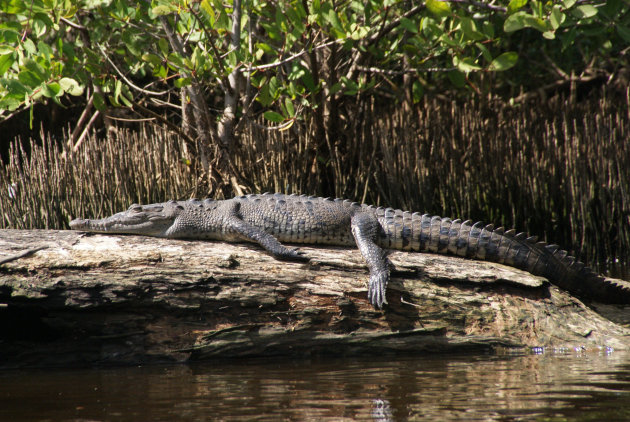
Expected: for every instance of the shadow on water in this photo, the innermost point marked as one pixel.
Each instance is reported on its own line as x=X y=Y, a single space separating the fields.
x=550 y=386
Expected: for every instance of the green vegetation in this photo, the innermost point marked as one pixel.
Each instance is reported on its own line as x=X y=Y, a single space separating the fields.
x=208 y=68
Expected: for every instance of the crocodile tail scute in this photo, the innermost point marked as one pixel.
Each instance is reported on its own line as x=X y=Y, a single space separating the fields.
x=478 y=241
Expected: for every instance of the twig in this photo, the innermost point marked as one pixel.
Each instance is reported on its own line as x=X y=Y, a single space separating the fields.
x=170 y=125
x=479 y=4
x=82 y=118
x=292 y=57
x=530 y=94
x=22 y=254
x=394 y=24
x=217 y=56
x=72 y=24
x=124 y=78
x=85 y=131
x=280 y=127
x=122 y=119
x=402 y=72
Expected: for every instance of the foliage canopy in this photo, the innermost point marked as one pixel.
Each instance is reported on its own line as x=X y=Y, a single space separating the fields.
x=208 y=66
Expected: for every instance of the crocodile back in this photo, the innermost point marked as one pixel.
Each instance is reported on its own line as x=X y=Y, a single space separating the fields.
x=300 y=218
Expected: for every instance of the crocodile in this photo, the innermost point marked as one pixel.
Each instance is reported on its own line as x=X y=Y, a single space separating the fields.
x=269 y=219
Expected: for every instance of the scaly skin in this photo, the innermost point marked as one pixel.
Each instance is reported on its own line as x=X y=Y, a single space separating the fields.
x=270 y=219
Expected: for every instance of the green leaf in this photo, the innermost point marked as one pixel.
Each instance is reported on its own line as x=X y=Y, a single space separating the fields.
x=163 y=45
x=409 y=25
x=9 y=103
x=71 y=86
x=6 y=61
x=52 y=90
x=335 y=88
x=623 y=32
x=351 y=87
x=206 y=7
x=557 y=17
x=162 y=10
x=488 y=29
x=222 y=21
x=584 y=11
x=99 y=102
x=470 y=29
x=484 y=51
x=39 y=28
x=272 y=116
x=457 y=78
x=45 y=50
x=274 y=86
x=568 y=3
x=514 y=22
x=520 y=20
x=504 y=61
x=438 y=8
x=175 y=61
x=126 y=96
x=417 y=91
x=30 y=47
x=288 y=105
x=154 y=59
x=30 y=78
x=335 y=23
x=182 y=82
x=15 y=88
x=264 y=97
x=515 y=5
x=117 y=90
x=467 y=64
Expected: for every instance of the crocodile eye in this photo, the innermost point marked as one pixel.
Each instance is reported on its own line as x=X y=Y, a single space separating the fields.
x=135 y=208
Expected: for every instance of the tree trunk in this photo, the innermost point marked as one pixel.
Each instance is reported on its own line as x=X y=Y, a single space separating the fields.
x=94 y=299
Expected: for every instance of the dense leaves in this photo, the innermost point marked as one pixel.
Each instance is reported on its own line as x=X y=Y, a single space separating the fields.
x=292 y=53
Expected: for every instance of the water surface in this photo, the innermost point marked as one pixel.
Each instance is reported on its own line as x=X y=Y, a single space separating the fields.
x=571 y=385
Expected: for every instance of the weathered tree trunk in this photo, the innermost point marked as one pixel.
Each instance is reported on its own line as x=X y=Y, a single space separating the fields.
x=128 y=299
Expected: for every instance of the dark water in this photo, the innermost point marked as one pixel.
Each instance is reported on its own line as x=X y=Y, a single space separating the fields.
x=570 y=386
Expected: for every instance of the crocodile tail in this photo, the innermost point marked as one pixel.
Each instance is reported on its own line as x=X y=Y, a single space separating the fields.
x=484 y=242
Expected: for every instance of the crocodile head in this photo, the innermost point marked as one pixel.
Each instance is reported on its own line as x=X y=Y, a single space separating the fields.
x=147 y=220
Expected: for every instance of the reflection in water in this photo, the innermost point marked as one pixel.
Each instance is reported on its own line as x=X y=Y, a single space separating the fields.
x=580 y=386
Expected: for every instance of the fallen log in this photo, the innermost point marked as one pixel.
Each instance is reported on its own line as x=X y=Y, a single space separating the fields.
x=72 y=299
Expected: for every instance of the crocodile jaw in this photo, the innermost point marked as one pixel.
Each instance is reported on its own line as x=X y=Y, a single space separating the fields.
x=148 y=220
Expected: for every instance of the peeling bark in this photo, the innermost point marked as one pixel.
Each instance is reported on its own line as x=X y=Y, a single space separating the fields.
x=128 y=299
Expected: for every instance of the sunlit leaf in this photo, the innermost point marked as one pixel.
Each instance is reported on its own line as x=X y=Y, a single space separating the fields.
x=162 y=10
x=557 y=17
x=182 y=82
x=515 y=5
x=272 y=116
x=6 y=61
x=288 y=105
x=520 y=20
x=585 y=11
x=52 y=90
x=466 y=64
x=99 y=102
x=504 y=61
x=30 y=78
x=71 y=86
x=438 y=8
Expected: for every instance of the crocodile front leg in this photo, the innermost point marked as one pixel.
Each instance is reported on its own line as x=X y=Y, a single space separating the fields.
x=264 y=239
x=365 y=229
